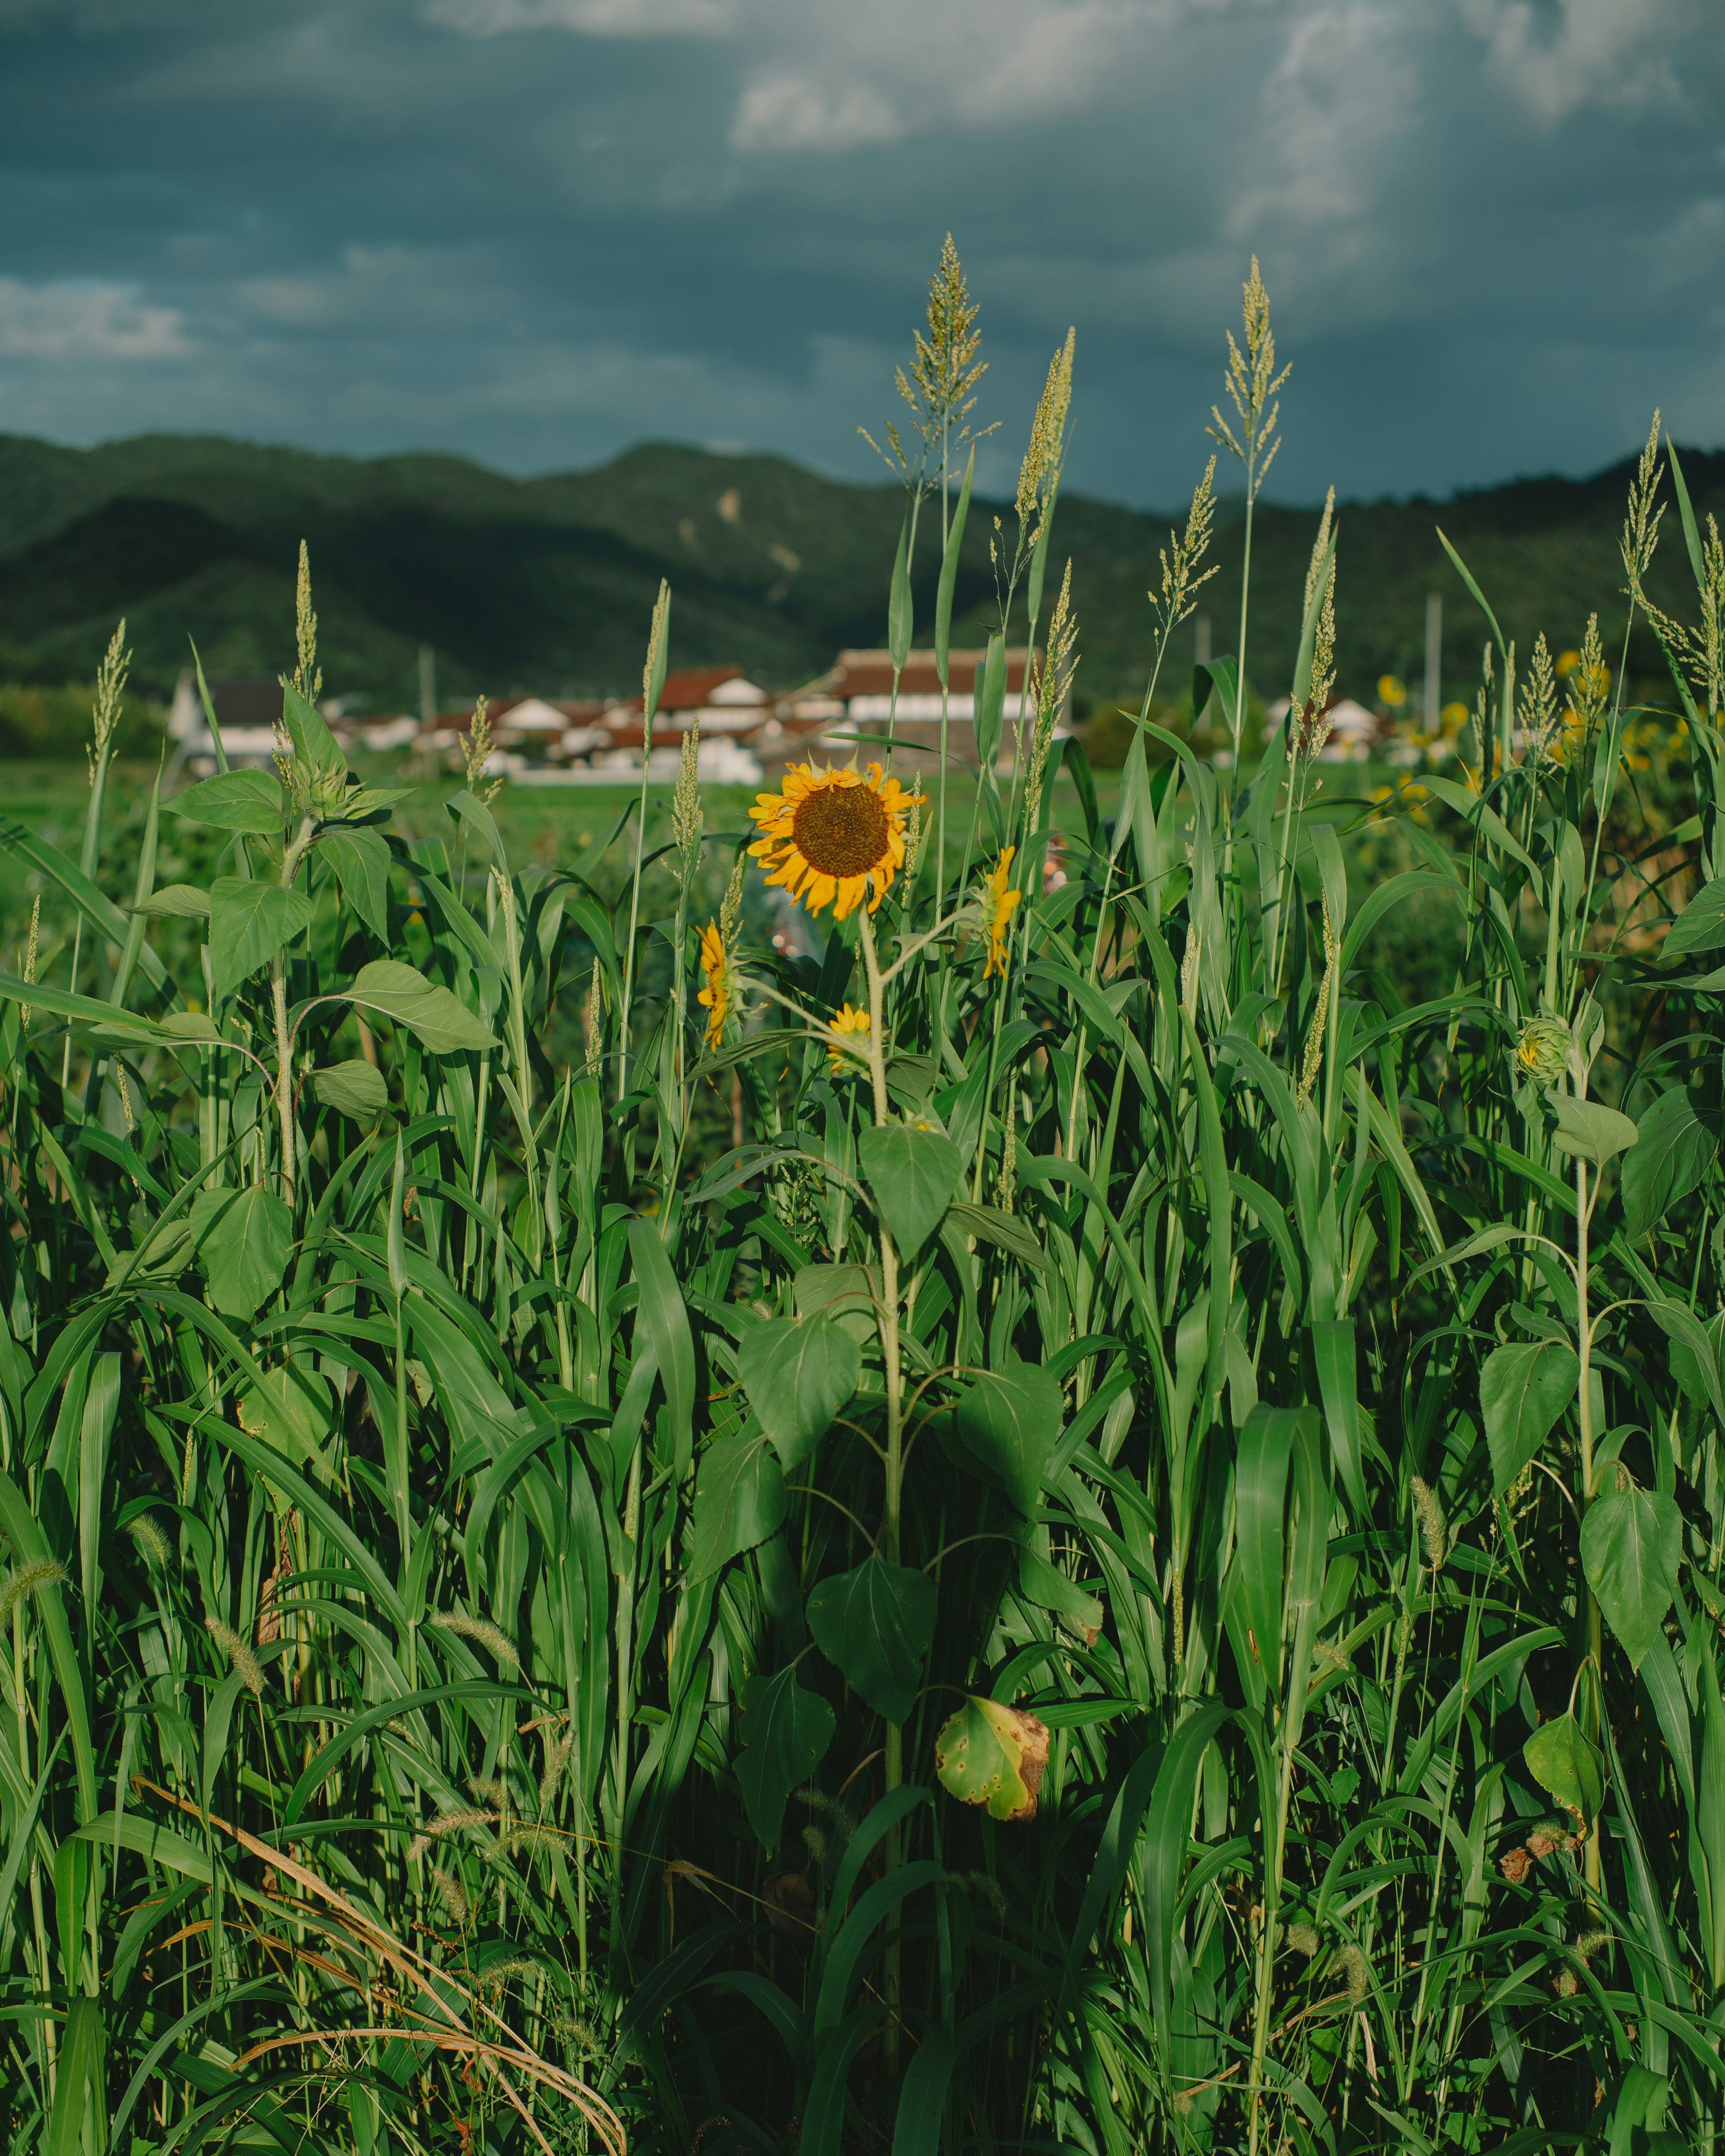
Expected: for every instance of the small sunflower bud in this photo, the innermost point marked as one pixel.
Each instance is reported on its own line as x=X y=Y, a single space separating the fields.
x=1543 y=1049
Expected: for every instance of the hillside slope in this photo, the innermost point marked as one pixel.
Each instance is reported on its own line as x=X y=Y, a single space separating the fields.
x=547 y=583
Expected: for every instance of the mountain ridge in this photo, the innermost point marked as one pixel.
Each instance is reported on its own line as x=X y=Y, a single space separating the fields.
x=546 y=584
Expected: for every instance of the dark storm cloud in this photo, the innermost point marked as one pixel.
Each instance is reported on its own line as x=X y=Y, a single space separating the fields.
x=536 y=230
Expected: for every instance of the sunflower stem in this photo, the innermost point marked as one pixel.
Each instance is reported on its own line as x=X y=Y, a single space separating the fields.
x=894 y=1432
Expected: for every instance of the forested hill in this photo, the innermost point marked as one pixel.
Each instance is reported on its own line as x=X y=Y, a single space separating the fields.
x=547 y=583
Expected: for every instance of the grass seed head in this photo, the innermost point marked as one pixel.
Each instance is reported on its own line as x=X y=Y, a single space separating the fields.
x=150 y=1540
x=1433 y=1532
x=1351 y=1964
x=27 y=1581
x=480 y=1629
x=244 y=1663
x=105 y=713
x=308 y=675
x=1040 y=473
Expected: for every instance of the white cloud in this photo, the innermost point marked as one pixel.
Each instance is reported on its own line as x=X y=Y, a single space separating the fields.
x=73 y=319
x=1558 y=60
x=592 y=19
x=791 y=112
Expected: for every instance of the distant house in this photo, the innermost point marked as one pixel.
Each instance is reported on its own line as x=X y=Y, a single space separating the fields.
x=855 y=698
x=246 y=712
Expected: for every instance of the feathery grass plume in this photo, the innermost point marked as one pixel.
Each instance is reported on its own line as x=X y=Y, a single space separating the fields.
x=1309 y=729
x=653 y=671
x=831 y=1808
x=452 y=1896
x=944 y=371
x=1434 y=1530
x=987 y=1889
x=150 y=1541
x=1040 y=473
x=1053 y=685
x=448 y=1823
x=686 y=813
x=1188 y=969
x=529 y=1834
x=578 y=2038
x=1006 y=1183
x=1592 y=1942
x=1589 y=686
x=1303 y=1939
x=1253 y=386
x=30 y=951
x=308 y=675
x=1351 y=1963
x=815 y=1842
x=1330 y=1654
x=117 y=1064
x=557 y=1762
x=1538 y=713
x=110 y=686
x=593 y=1019
x=480 y=1629
x=1181 y=578
x=244 y=1661
x=27 y=1580
x=731 y=907
x=914 y=836
x=476 y=747
x=489 y=1790
x=1642 y=518
x=1320 y=1014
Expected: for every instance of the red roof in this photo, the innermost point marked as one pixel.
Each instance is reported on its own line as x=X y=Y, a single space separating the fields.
x=870 y=673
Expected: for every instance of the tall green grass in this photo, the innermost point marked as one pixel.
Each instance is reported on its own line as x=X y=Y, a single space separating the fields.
x=1137 y=1567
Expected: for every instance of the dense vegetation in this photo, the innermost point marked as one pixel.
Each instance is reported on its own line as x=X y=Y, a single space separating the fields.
x=540 y=584
x=1075 y=1523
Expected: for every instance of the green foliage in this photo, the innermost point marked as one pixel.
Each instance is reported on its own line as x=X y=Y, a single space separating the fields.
x=1132 y=1563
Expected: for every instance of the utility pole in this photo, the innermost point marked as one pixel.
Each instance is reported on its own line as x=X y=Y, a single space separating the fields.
x=1434 y=658
x=428 y=703
x=1201 y=640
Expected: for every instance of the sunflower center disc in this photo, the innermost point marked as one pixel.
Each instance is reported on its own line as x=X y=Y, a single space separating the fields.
x=841 y=830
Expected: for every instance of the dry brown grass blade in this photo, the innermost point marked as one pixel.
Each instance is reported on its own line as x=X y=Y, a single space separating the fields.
x=428 y=1978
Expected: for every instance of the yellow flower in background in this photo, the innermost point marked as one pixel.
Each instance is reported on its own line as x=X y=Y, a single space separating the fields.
x=848 y=1037
x=997 y=905
x=1567 y=661
x=718 y=972
x=827 y=836
x=1394 y=693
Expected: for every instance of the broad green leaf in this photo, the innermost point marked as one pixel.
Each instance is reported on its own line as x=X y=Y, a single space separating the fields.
x=786 y=1731
x=898 y=601
x=1010 y=1421
x=249 y=923
x=235 y=801
x=190 y=1025
x=913 y=1175
x=291 y=1410
x=1677 y=1143
x=361 y=861
x=1694 y=1353
x=990 y=702
x=317 y=751
x=1567 y=1766
x=1050 y=1588
x=244 y=1250
x=799 y=1374
x=1523 y=1389
x=988 y=1223
x=847 y=1294
x=990 y=1754
x=739 y=1498
x=875 y=1625
x=83 y=2041
x=436 y=1020
x=354 y=1088
x=1585 y=1128
x=183 y=902
x=1701 y=926
x=1631 y=1544
x=662 y=1319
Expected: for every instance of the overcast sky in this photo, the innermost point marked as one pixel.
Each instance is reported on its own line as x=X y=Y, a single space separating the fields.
x=536 y=231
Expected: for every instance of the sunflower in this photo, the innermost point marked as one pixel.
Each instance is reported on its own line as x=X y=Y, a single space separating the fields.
x=997 y=905
x=718 y=971
x=827 y=836
x=847 y=1035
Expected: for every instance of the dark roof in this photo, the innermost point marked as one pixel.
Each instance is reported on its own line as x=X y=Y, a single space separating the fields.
x=246 y=703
